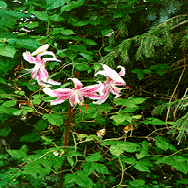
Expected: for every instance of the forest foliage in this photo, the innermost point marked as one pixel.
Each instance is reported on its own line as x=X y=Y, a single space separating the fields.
x=137 y=139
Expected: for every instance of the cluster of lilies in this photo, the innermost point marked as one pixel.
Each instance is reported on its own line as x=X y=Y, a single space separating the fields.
x=99 y=92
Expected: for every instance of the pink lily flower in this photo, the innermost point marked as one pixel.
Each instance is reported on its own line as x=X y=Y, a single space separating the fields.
x=39 y=72
x=74 y=95
x=113 y=79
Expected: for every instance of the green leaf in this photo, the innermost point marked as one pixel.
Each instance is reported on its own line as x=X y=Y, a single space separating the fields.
x=2 y=81
x=139 y=72
x=7 y=50
x=89 y=42
x=51 y=65
x=132 y=102
x=34 y=137
x=78 y=48
x=4 y=132
x=3 y=4
x=54 y=119
x=47 y=99
x=119 y=118
x=17 y=153
x=143 y=164
x=88 y=167
x=177 y=162
x=143 y=150
x=36 y=101
x=137 y=182
x=87 y=56
x=106 y=31
x=183 y=181
x=70 y=160
x=101 y=168
x=8 y=110
x=131 y=147
x=40 y=15
x=116 y=149
x=9 y=103
x=51 y=4
x=47 y=140
x=62 y=31
x=93 y=157
x=69 y=178
x=128 y=160
x=24 y=43
x=71 y=5
x=137 y=117
x=16 y=14
x=42 y=124
x=83 y=180
x=24 y=148
x=32 y=25
x=121 y=147
x=153 y=121
x=81 y=66
x=74 y=153
x=65 y=85
x=5 y=96
x=163 y=144
x=36 y=168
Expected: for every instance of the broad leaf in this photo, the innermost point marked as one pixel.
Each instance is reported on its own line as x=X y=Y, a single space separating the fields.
x=3 y=4
x=9 y=103
x=137 y=182
x=70 y=160
x=54 y=119
x=93 y=157
x=143 y=165
x=119 y=118
x=2 y=81
x=17 y=153
x=51 y=4
x=7 y=50
x=40 y=15
x=71 y=5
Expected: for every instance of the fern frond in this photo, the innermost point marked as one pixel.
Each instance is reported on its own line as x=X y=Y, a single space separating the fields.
x=180 y=104
x=180 y=127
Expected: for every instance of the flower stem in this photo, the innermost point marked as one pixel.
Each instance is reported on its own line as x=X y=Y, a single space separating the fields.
x=66 y=135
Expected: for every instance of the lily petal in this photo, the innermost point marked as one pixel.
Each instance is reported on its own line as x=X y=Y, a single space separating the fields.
x=104 y=97
x=76 y=99
x=122 y=72
x=77 y=83
x=43 y=75
x=58 y=92
x=27 y=56
x=112 y=74
x=114 y=90
x=62 y=94
x=49 y=59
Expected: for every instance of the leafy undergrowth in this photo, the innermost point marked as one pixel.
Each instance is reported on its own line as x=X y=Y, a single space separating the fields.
x=127 y=150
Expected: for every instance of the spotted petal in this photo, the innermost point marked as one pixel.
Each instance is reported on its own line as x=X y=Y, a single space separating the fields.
x=62 y=94
x=27 y=56
x=112 y=74
x=104 y=97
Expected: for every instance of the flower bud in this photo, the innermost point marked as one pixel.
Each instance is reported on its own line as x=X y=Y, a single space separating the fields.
x=40 y=50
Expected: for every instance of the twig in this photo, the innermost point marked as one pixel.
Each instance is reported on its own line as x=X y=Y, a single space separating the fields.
x=175 y=90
